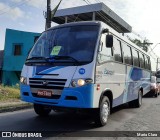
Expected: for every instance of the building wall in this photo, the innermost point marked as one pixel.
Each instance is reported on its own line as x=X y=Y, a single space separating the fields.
x=1 y=64
x=13 y=63
x=10 y=78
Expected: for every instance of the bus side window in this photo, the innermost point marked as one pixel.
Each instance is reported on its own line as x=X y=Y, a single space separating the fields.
x=146 y=63
x=149 y=63
x=117 y=50
x=158 y=75
x=127 y=54
x=135 y=57
x=141 y=58
x=144 y=60
x=105 y=54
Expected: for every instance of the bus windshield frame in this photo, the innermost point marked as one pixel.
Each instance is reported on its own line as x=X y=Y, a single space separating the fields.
x=70 y=44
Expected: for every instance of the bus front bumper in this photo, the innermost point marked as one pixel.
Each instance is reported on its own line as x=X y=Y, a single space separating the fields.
x=79 y=97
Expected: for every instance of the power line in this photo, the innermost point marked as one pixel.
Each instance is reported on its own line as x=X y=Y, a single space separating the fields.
x=87 y=1
x=101 y=14
x=107 y=20
x=98 y=1
x=133 y=32
x=12 y=6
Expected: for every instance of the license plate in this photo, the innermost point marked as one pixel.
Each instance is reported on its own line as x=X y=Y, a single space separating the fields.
x=44 y=93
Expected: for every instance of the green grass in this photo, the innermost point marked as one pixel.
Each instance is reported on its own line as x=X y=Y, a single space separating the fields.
x=9 y=94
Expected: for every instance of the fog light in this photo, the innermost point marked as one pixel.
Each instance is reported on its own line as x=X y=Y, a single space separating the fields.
x=98 y=86
x=73 y=83
x=23 y=80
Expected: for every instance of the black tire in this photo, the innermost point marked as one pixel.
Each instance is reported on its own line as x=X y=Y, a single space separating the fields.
x=156 y=94
x=41 y=110
x=131 y=104
x=138 y=102
x=101 y=115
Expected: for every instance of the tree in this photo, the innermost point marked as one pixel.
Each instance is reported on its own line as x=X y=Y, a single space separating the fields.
x=144 y=45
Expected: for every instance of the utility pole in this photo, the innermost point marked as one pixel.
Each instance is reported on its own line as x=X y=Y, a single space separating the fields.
x=48 y=19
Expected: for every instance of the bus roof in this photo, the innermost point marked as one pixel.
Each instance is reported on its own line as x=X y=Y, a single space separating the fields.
x=98 y=11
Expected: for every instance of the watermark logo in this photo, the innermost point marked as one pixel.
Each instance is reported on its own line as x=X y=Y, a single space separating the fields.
x=21 y=135
x=6 y=134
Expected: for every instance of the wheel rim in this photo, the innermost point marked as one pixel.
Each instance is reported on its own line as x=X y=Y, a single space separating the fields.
x=140 y=98
x=105 y=112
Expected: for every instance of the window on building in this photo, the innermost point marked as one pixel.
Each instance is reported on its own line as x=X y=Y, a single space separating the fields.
x=17 y=49
x=127 y=54
x=117 y=50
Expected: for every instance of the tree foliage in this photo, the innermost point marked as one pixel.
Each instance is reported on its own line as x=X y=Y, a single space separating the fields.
x=144 y=45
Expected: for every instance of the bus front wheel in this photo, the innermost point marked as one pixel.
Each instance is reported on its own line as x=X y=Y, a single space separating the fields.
x=41 y=110
x=103 y=112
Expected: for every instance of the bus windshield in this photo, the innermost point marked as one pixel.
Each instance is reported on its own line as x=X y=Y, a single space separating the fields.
x=75 y=42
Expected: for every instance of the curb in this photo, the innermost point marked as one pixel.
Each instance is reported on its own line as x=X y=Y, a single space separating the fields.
x=15 y=107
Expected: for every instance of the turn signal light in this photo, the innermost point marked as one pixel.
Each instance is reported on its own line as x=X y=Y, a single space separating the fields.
x=98 y=86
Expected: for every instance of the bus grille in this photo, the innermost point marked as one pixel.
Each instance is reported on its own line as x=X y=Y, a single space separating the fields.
x=47 y=83
x=54 y=85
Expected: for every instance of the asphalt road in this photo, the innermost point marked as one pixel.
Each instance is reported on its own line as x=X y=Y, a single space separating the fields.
x=123 y=118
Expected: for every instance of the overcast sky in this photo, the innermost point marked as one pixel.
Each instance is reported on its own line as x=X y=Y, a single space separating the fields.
x=27 y=15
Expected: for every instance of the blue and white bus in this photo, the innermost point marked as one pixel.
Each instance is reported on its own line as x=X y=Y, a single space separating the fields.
x=84 y=65
x=158 y=76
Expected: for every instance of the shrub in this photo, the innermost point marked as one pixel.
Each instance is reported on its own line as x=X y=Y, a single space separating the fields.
x=9 y=93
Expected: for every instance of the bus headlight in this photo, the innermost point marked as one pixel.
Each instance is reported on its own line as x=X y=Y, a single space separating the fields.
x=80 y=82
x=23 y=80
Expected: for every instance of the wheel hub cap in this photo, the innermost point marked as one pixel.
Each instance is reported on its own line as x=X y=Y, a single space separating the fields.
x=105 y=112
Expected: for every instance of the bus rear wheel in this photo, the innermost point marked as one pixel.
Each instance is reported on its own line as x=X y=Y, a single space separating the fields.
x=138 y=102
x=156 y=94
x=41 y=110
x=101 y=115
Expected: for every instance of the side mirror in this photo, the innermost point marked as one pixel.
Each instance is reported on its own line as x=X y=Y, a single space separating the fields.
x=105 y=31
x=109 y=41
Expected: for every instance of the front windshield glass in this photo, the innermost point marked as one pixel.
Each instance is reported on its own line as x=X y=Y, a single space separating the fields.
x=76 y=42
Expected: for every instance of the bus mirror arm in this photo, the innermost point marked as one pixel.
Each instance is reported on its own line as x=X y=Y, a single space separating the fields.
x=100 y=46
x=105 y=31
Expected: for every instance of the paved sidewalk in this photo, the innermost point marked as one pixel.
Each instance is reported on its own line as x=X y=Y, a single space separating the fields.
x=13 y=106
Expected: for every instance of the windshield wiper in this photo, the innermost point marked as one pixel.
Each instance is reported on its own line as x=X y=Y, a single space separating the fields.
x=37 y=58
x=51 y=59
x=63 y=58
